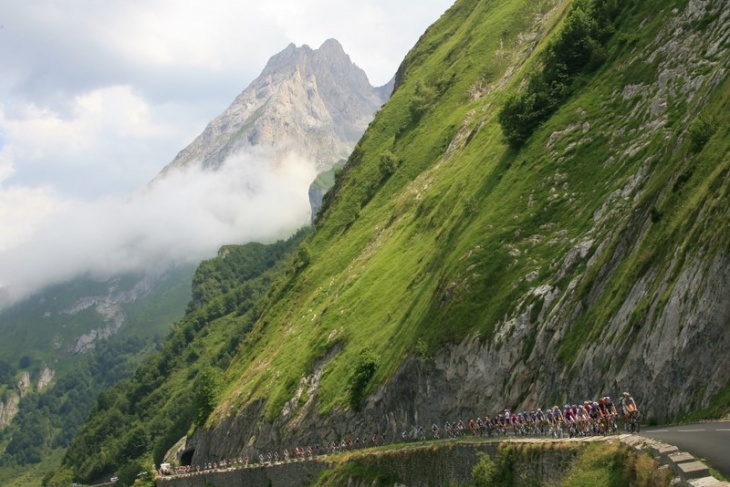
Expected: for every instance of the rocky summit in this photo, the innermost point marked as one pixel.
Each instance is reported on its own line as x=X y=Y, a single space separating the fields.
x=315 y=103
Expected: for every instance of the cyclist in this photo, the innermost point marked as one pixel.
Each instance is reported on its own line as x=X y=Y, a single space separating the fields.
x=597 y=418
x=629 y=408
x=557 y=413
x=460 y=428
x=569 y=418
x=499 y=420
x=540 y=421
x=628 y=405
x=581 y=415
x=610 y=406
x=488 y=425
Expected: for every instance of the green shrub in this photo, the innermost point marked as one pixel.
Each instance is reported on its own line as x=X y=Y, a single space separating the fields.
x=482 y=475
x=700 y=133
x=422 y=100
x=206 y=388
x=388 y=164
x=578 y=48
x=365 y=368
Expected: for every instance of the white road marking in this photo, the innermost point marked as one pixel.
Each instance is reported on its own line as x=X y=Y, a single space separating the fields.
x=722 y=430
x=691 y=431
x=658 y=431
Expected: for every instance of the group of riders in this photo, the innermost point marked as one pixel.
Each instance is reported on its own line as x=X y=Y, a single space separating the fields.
x=589 y=418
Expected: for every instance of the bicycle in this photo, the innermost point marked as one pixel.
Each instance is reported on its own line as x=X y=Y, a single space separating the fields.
x=634 y=422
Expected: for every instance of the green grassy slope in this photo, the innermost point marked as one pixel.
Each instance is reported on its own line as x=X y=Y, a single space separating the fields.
x=385 y=250
x=435 y=222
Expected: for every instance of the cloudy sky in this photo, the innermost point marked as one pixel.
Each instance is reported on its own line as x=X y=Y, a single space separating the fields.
x=97 y=96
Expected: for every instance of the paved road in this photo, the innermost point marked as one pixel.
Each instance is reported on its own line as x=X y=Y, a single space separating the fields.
x=710 y=441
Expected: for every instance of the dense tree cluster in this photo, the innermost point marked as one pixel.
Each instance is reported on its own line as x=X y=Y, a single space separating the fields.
x=365 y=368
x=7 y=374
x=50 y=419
x=579 y=48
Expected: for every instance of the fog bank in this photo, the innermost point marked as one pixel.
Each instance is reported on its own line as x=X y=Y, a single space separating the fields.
x=183 y=218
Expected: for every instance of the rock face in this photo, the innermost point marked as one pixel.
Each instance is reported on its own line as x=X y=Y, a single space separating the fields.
x=10 y=405
x=9 y=409
x=315 y=103
x=109 y=308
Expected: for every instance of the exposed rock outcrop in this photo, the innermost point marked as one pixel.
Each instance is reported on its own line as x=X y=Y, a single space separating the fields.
x=109 y=307
x=8 y=409
x=315 y=103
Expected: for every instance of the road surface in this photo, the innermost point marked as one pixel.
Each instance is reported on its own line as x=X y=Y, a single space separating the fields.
x=710 y=441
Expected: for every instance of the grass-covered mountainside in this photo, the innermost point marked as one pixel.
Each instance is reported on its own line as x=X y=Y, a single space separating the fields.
x=539 y=214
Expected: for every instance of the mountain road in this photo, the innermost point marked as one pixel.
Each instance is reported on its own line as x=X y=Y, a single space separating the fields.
x=709 y=441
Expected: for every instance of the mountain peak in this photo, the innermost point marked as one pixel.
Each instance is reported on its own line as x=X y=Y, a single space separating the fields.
x=332 y=45
x=316 y=103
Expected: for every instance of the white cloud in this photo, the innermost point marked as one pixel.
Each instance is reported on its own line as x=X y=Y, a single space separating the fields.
x=109 y=139
x=184 y=217
x=22 y=210
x=97 y=97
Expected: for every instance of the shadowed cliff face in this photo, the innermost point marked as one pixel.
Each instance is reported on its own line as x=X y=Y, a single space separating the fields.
x=623 y=287
x=315 y=103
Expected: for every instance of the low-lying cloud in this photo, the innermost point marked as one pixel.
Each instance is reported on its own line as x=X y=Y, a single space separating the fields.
x=181 y=218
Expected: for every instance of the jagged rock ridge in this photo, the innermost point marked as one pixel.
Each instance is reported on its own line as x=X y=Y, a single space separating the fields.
x=315 y=103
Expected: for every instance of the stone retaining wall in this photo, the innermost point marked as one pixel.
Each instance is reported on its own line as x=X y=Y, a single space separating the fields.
x=294 y=474
x=443 y=462
x=427 y=464
x=688 y=471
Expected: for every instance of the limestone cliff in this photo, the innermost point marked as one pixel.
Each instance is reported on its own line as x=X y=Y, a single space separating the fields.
x=9 y=409
x=315 y=103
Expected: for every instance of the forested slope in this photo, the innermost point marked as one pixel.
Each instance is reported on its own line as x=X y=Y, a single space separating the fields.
x=176 y=388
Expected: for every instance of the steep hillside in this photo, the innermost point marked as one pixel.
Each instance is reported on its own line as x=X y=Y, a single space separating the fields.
x=592 y=260
x=452 y=274
x=69 y=319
